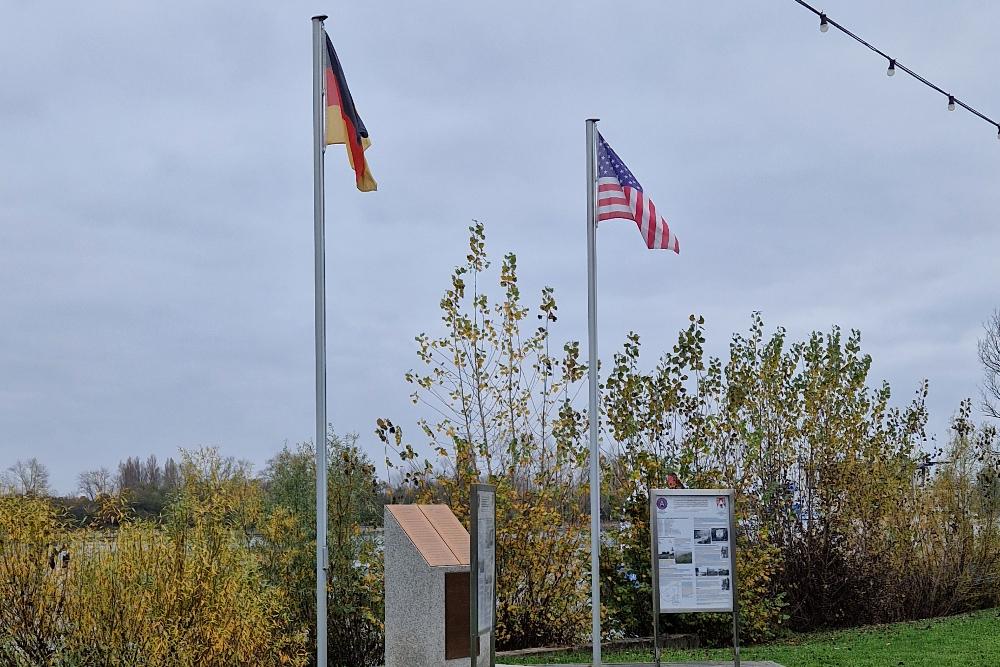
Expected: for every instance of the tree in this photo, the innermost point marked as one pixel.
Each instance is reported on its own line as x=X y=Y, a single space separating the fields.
x=989 y=356
x=171 y=476
x=129 y=474
x=503 y=411
x=30 y=478
x=95 y=483
x=148 y=486
x=151 y=473
x=135 y=474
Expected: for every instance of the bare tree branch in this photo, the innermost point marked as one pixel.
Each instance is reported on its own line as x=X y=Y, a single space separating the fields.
x=989 y=356
x=30 y=478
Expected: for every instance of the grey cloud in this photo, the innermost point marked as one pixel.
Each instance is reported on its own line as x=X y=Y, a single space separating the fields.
x=155 y=198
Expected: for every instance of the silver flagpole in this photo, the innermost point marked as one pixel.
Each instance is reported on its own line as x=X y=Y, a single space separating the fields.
x=595 y=448
x=319 y=248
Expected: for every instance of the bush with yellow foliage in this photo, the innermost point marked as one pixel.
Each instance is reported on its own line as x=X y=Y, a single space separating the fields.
x=189 y=592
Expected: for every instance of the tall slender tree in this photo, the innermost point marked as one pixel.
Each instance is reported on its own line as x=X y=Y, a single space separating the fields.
x=989 y=356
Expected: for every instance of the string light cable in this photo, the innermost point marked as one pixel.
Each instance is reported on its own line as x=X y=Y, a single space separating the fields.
x=824 y=25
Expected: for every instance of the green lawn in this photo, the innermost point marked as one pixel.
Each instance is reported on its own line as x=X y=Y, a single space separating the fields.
x=970 y=640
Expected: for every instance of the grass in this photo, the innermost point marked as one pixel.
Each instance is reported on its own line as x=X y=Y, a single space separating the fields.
x=969 y=640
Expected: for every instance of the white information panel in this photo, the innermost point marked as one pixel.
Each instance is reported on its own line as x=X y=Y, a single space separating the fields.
x=486 y=559
x=693 y=549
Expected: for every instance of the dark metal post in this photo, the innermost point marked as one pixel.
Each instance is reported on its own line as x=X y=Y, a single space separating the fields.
x=474 y=575
x=736 y=602
x=655 y=578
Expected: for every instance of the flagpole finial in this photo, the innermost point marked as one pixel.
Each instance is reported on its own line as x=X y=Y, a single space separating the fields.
x=320 y=17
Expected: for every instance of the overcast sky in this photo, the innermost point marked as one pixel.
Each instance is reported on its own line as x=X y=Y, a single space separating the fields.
x=156 y=198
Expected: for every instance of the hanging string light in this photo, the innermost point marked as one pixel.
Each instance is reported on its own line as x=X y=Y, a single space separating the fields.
x=824 y=25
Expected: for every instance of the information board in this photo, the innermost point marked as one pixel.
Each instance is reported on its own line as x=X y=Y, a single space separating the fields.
x=693 y=550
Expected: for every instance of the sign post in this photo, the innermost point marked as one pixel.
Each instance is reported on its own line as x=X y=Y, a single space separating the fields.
x=693 y=544
x=482 y=575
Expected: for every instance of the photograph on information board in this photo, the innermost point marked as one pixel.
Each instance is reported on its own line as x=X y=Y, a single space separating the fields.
x=693 y=552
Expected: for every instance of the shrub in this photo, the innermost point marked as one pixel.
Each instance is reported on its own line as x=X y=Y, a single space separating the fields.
x=355 y=597
x=664 y=423
x=541 y=569
x=188 y=593
x=842 y=516
x=33 y=594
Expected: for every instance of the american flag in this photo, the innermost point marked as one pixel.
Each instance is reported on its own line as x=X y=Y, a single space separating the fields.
x=619 y=195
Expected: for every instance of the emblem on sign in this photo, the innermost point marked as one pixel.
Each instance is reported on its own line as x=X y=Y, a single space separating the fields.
x=661 y=503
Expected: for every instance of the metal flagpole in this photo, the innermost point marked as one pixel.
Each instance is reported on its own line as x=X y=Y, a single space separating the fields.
x=319 y=248
x=595 y=450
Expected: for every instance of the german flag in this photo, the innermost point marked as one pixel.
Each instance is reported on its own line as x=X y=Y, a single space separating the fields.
x=343 y=125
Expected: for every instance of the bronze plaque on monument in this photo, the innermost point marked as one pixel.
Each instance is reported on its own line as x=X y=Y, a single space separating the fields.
x=456 y=615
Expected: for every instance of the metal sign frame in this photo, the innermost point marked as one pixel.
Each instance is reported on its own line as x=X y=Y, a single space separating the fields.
x=475 y=637
x=655 y=494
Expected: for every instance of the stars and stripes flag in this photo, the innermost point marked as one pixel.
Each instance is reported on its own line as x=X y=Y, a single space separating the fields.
x=619 y=195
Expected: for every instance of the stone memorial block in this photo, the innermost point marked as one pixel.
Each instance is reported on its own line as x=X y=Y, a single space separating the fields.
x=426 y=587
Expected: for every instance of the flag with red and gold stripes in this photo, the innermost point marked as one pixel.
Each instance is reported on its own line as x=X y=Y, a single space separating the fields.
x=343 y=124
x=619 y=195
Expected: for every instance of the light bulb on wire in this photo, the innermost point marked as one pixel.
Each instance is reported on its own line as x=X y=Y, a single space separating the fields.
x=953 y=103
